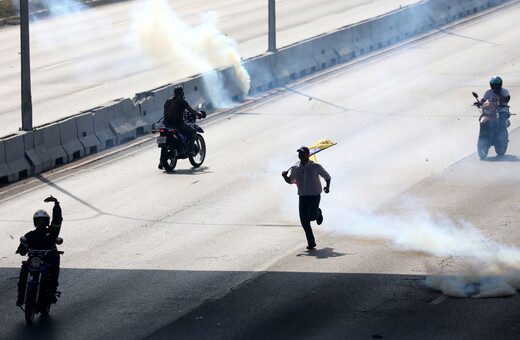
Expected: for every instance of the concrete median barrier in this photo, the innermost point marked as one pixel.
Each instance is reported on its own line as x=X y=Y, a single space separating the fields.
x=69 y=139
x=151 y=104
x=132 y=115
x=123 y=130
x=362 y=38
x=294 y=62
x=260 y=71
x=6 y=174
x=15 y=157
x=341 y=40
x=52 y=141
x=86 y=134
x=36 y=152
x=202 y=88
x=102 y=129
x=324 y=52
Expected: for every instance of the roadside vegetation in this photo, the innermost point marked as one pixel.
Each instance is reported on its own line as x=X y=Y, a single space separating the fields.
x=7 y=9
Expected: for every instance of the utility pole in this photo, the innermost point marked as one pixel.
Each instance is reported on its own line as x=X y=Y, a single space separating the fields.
x=26 y=66
x=272 y=27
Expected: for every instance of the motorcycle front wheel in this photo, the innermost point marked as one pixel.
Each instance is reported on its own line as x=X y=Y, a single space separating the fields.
x=168 y=157
x=200 y=149
x=482 y=147
x=30 y=302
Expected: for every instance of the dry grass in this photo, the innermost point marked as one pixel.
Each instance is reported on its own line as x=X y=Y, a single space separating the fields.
x=8 y=10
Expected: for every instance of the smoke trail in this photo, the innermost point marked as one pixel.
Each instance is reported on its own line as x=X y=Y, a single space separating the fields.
x=491 y=267
x=188 y=50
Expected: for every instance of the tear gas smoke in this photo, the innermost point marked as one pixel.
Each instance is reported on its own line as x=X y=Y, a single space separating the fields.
x=490 y=268
x=418 y=231
x=188 y=50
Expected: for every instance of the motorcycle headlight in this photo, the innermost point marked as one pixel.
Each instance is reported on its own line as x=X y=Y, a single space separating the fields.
x=35 y=263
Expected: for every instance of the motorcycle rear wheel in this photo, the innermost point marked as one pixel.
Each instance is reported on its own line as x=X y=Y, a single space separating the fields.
x=482 y=148
x=30 y=302
x=200 y=148
x=168 y=157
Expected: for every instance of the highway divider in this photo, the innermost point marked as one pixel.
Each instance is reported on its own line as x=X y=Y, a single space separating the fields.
x=121 y=120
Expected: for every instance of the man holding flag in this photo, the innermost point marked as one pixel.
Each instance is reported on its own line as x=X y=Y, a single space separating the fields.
x=306 y=174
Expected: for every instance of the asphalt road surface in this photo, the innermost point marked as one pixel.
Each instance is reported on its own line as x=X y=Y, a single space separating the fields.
x=85 y=59
x=217 y=252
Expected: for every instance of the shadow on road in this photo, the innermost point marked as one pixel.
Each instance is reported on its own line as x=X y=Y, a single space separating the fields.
x=195 y=304
x=322 y=253
x=504 y=158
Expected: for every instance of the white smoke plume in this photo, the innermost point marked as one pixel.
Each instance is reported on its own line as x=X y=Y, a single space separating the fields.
x=490 y=268
x=188 y=50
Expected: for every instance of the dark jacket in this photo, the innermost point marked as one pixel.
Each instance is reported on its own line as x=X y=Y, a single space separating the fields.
x=174 y=111
x=43 y=238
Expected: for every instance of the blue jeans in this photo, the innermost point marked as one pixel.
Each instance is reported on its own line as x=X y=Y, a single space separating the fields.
x=308 y=208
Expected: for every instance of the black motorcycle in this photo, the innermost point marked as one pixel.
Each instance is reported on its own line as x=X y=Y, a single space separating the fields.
x=494 y=121
x=38 y=298
x=174 y=144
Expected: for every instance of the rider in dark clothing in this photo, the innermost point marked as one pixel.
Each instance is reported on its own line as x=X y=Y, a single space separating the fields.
x=174 y=115
x=42 y=238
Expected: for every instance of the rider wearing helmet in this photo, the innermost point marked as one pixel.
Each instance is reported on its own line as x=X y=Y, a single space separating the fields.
x=174 y=115
x=496 y=93
x=42 y=237
x=500 y=96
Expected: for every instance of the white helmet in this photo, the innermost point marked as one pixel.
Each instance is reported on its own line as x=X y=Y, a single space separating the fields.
x=41 y=213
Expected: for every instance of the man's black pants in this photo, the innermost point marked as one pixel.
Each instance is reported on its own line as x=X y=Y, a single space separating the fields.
x=309 y=211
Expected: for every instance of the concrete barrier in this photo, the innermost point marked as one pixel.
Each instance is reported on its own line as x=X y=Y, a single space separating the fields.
x=133 y=116
x=260 y=71
x=6 y=174
x=36 y=152
x=202 y=88
x=324 y=53
x=15 y=157
x=362 y=38
x=86 y=134
x=102 y=129
x=69 y=139
x=123 y=130
x=294 y=62
x=52 y=141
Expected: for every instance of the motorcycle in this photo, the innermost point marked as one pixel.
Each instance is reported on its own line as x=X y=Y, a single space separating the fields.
x=494 y=121
x=174 y=145
x=38 y=298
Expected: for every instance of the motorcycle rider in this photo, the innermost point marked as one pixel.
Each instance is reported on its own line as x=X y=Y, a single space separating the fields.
x=499 y=95
x=174 y=116
x=43 y=237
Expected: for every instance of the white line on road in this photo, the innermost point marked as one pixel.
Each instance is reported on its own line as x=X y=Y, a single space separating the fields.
x=438 y=300
x=90 y=88
x=54 y=66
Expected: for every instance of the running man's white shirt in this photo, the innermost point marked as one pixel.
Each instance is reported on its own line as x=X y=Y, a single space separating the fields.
x=307 y=178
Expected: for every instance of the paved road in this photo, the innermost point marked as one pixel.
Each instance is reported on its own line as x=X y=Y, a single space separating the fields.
x=218 y=253
x=86 y=59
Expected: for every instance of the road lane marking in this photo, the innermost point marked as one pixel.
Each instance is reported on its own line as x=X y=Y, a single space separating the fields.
x=54 y=66
x=89 y=89
x=438 y=300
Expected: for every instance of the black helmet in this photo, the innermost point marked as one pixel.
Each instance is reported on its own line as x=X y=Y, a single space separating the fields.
x=178 y=91
x=495 y=83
